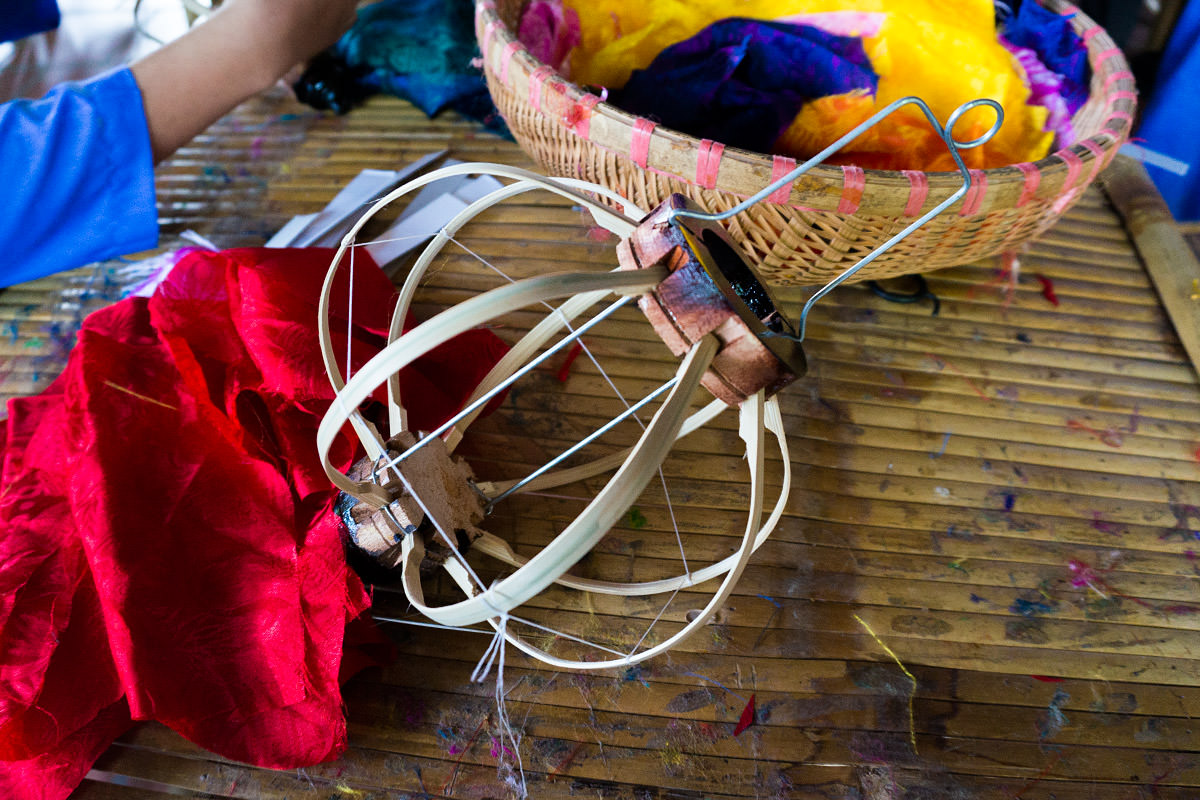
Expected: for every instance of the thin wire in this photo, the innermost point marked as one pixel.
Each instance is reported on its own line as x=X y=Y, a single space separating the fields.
x=654 y=621
x=487 y=397
x=584 y=442
x=420 y=624
x=621 y=397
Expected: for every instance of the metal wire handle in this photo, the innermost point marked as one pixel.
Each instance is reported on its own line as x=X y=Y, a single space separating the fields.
x=946 y=134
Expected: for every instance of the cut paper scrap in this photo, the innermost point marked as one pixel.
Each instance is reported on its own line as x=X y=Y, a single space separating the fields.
x=431 y=208
x=330 y=224
x=434 y=206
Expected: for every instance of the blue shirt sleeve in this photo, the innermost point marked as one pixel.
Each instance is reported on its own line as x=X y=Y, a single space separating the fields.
x=77 y=178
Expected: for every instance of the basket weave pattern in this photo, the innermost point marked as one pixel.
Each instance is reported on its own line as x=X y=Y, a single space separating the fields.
x=830 y=217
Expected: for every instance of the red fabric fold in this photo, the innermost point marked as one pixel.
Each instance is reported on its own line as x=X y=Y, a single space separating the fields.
x=167 y=551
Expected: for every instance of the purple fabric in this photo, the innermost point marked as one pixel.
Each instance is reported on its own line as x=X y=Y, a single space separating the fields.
x=1057 y=46
x=742 y=81
x=1045 y=89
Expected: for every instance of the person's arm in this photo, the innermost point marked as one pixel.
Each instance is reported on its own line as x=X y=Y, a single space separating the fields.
x=77 y=166
x=241 y=50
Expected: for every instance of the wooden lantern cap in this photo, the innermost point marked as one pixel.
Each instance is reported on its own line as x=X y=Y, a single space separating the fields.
x=444 y=484
x=712 y=289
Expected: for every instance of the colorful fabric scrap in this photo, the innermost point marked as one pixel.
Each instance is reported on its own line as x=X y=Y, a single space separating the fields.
x=914 y=50
x=742 y=81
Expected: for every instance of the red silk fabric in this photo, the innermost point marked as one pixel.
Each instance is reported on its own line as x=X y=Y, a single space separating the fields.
x=167 y=551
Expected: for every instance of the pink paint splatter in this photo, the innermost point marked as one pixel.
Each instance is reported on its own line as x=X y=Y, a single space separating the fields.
x=1047 y=289
x=1108 y=436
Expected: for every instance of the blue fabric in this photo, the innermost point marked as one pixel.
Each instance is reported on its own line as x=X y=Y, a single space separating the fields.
x=1058 y=47
x=20 y=18
x=742 y=81
x=1170 y=124
x=78 y=178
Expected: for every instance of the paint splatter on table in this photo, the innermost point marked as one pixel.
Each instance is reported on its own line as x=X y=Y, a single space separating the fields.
x=1007 y=495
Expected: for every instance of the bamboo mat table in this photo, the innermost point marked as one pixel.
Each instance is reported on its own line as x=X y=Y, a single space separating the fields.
x=984 y=586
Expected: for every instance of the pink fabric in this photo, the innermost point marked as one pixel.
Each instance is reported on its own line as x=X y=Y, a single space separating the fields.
x=167 y=551
x=550 y=31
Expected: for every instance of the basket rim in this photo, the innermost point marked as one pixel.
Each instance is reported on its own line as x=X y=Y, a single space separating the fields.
x=845 y=189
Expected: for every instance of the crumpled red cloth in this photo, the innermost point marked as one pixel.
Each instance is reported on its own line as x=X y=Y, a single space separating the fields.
x=167 y=550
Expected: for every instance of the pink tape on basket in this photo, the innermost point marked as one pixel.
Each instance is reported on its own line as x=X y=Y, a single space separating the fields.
x=780 y=166
x=1125 y=115
x=1111 y=52
x=1101 y=157
x=1117 y=76
x=537 y=79
x=489 y=33
x=974 y=196
x=918 y=190
x=639 y=143
x=708 y=163
x=579 y=116
x=1033 y=177
x=1074 y=167
x=1091 y=33
x=506 y=58
x=854 y=180
x=1124 y=94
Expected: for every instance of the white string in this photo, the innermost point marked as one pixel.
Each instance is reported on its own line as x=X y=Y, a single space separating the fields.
x=494 y=655
x=657 y=617
x=422 y=624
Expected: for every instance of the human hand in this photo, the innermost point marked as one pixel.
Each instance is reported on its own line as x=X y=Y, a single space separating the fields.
x=282 y=34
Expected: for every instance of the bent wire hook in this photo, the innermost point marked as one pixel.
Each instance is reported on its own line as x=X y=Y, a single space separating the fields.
x=946 y=134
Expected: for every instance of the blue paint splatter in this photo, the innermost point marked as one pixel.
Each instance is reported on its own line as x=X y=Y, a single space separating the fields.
x=1053 y=720
x=977 y=599
x=942 y=450
x=1030 y=608
x=1010 y=500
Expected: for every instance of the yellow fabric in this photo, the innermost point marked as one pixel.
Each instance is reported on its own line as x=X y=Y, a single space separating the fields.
x=943 y=51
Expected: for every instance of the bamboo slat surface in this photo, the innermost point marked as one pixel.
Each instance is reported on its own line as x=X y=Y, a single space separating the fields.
x=1007 y=494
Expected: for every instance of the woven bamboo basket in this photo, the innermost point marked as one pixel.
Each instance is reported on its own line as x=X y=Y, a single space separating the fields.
x=830 y=217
